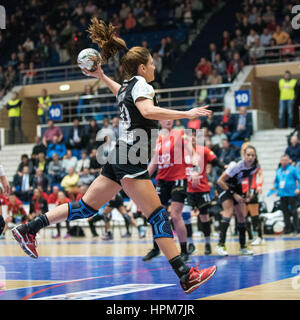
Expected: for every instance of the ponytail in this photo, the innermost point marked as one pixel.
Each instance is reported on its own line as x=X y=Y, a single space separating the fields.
x=106 y=39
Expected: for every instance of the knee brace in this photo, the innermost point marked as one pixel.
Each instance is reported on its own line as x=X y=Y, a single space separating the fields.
x=80 y=210
x=186 y=216
x=161 y=226
x=2 y=224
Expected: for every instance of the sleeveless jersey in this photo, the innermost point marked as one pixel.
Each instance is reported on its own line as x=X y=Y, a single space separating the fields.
x=237 y=172
x=170 y=156
x=138 y=133
x=205 y=155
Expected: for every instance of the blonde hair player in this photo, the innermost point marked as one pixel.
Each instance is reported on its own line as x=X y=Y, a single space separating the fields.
x=138 y=110
x=231 y=197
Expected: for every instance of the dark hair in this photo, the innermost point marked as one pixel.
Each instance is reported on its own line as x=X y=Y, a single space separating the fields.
x=110 y=44
x=256 y=164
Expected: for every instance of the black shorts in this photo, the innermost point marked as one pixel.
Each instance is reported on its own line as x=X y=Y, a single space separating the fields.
x=253 y=198
x=171 y=190
x=226 y=195
x=116 y=203
x=200 y=200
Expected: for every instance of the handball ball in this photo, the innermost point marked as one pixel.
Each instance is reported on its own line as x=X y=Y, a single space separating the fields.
x=278 y=227
x=88 y=59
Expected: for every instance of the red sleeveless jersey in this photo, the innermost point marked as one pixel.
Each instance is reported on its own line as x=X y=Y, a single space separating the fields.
x=205 y=155
x=170 y=156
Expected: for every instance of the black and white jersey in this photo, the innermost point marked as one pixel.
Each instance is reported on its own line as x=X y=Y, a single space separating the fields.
x=237 y=172
x=134 y=127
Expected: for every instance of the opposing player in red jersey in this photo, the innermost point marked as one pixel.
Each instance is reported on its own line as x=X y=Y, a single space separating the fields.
x=171 y=180
x=198 y=188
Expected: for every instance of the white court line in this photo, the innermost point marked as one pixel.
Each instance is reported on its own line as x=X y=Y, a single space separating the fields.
x=105 y=292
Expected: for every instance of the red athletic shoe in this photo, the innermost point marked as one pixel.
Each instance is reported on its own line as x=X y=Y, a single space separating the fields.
x=195 y=278
x=26 y=240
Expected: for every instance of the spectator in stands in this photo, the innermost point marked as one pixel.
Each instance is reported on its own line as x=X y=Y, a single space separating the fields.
x=30 y=74
x=38 y=147
x=244 y=26
x=54 y=195
x=116 y=127
x=210 y=123
x=217 y=138
x=41 y=162
x=242 y=128
x=22 y=185
x=124 y=11
x=13 y=61
x=62 y=198
x=287 y=87
x=38 y=204
x=25 y=161
x=214 y=78
x=203 y=66
x=257 y=52
x=70 y=183
x=252 y=18
x=55 y=170
x=40 y=180
x=76 y=136
x=220 y=65
x=147 y=21
x=91 y=134
x=43 y=104
x=287 y=24
x=84 y=162
x=226 y=153
x=10 y=77
x=130 y=22
x=56 y=148
x=272 y=25
x=280 y=36
x=268 y=15
x=225 y=38
x=259 y=26
x=227 y=122
x=28 y=45
x=251 y=39
x=84 y=100
x=288 y=52
x=286 y=181
x=69 y=161
x=52 y=131
x=212 y=52
x=15 y=212
x=178 y=125
x=157 y=61
x=265 y=38
x=106 y=148
x=293 y=151
x=95 y=166
x=85 y=178
x=234 y=66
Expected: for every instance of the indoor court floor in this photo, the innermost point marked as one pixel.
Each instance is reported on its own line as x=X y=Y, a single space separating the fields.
x=89 y=269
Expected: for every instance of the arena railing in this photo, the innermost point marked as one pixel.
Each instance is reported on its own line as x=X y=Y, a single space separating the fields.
x=99 y=106
x=275 y=54
x=53 y=74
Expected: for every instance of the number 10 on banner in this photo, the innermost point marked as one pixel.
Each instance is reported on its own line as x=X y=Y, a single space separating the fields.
x=55 y=112
x=242 y=98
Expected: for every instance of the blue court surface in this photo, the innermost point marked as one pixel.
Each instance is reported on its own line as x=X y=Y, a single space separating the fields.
x=129 y=278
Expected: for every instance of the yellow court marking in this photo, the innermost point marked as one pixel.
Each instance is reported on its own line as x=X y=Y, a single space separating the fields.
x=18 y=284
x=287 y=289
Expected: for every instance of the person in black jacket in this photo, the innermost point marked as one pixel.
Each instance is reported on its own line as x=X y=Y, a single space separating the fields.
x=76 y=136
x=40 y=179
x=243 y=126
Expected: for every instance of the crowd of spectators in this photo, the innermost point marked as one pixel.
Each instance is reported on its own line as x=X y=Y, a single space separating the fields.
x=40 y=33
x=260 y=26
